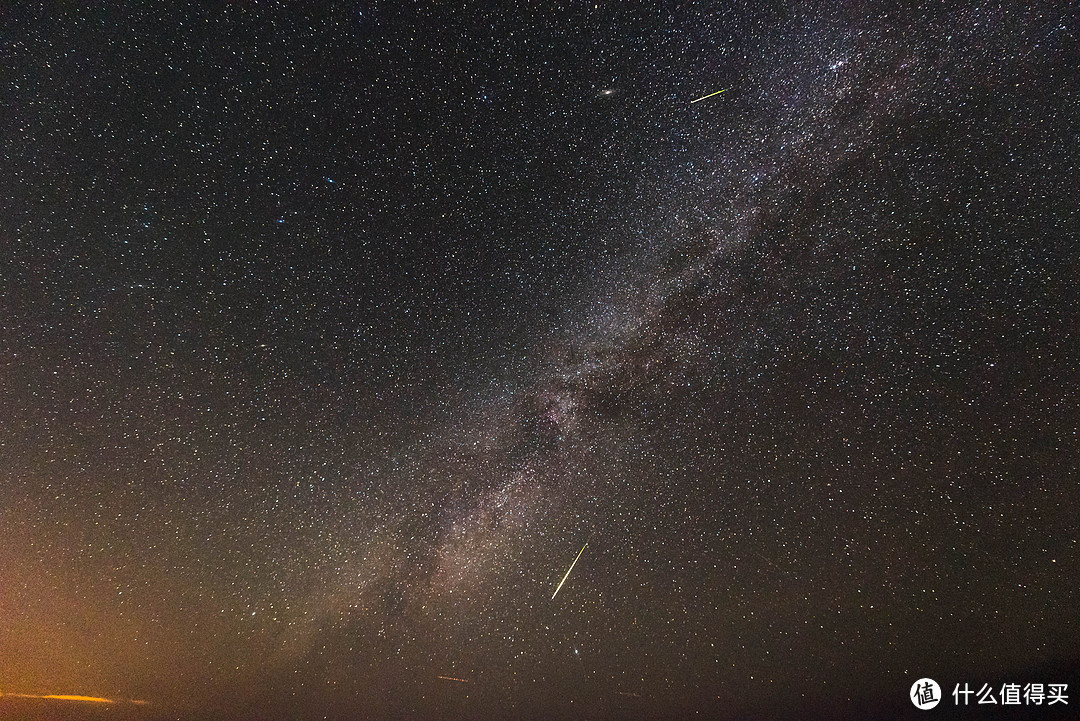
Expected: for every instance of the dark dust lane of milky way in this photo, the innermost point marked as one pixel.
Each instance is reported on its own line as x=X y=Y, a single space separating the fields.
x=573 y=360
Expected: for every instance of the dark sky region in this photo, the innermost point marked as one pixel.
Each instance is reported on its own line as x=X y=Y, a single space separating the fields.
x=330 y=335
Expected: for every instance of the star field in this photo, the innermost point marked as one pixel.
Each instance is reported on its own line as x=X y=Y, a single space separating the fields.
x=329 y=335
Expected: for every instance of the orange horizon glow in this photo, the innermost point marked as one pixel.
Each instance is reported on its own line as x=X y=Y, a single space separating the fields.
x=62 y=697
x=69 y=697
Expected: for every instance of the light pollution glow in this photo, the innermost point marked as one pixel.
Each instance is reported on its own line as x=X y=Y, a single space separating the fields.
x=69 y=697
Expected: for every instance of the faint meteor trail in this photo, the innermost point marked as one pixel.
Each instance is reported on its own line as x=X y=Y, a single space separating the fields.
x=568 y=572
x=705 y=97
x=451 y=678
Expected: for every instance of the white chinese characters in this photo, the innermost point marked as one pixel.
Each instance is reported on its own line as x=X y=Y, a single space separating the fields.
x=1012 y=694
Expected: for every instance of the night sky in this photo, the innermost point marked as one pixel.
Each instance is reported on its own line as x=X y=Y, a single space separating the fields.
x=330 y=336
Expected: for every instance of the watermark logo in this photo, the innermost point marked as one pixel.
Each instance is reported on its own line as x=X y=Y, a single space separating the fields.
x=1012 y=694
x=925 y=694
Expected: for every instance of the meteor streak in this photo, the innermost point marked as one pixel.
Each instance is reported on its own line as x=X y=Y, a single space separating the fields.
x=703 y=97
x=568 y=572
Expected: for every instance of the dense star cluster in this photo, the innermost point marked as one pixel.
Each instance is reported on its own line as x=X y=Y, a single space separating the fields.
x=330 y=336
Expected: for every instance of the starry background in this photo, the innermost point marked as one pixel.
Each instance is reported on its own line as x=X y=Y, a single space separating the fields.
x=330 y=335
